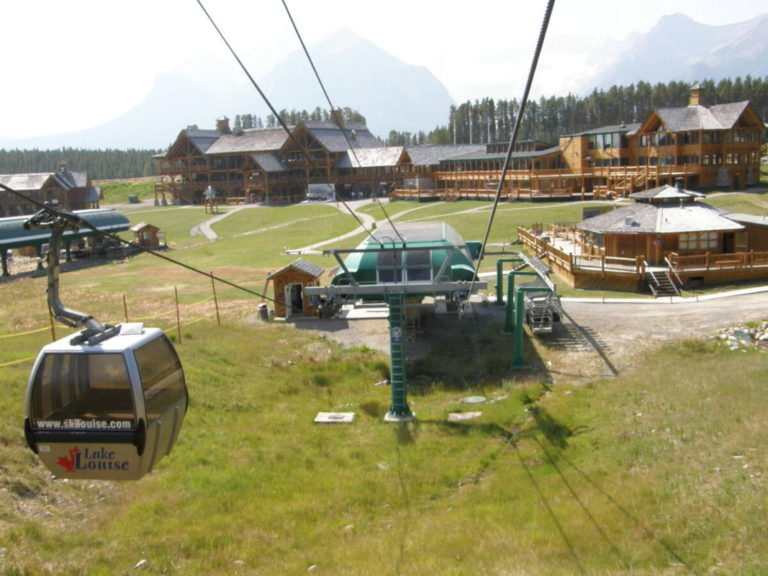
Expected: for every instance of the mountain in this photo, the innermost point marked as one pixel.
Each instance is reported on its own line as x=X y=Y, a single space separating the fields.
x=394 y=95
x=356 y=73
x=680 y=49
x=172 y=104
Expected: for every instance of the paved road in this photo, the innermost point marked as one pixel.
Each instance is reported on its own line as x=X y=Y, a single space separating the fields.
x=602 y=339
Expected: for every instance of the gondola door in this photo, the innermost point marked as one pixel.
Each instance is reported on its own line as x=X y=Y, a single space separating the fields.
x=164 y=396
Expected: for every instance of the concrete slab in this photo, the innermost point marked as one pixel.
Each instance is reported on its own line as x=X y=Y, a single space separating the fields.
x=463 y=416
x=334 y=417
x=366 y=313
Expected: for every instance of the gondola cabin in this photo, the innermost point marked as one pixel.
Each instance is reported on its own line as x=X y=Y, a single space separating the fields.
x=109 y=410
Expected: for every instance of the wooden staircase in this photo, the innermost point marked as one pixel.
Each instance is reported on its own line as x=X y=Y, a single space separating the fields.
x=661 y=283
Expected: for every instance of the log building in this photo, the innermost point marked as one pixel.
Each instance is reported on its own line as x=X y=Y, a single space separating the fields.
x=71 y=190
x=715 y=146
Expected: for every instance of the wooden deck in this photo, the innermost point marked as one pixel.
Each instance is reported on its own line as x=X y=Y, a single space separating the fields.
x=585 y=270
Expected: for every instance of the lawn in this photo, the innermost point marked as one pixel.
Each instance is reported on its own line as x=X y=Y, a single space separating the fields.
x=659 y=470
x=744 y=203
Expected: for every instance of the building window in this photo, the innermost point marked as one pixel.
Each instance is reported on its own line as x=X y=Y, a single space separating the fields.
x=688 y=138
x=698 y=241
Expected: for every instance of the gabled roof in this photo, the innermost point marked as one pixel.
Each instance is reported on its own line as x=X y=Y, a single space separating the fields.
x=332 y=138
x=25 y=181
x=201 y=139
x=728 y=114
x=301 y=265
x=643 y=218
x=434 y=154
x=269 y=162
x=748 y=219
x=620 y=128
x=36 y=181
x=256 y=140
x=484 y=155
x=719 y=117
x=371 y=157
x=69 y=180
x=141 y=225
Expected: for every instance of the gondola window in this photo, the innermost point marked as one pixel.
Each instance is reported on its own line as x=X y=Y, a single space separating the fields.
x=71 y=388
x=162 y=377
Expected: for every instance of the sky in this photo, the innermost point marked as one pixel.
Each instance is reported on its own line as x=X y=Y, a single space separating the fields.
x=75 y=64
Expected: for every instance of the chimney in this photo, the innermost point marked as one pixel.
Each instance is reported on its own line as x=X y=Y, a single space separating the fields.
x=679 y=184
x=222 y=124
x=697 y=93
x=63 y=167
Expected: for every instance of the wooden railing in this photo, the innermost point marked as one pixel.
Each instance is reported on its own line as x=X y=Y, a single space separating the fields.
x=718 y=261
x=612 y=264
x=574 y=262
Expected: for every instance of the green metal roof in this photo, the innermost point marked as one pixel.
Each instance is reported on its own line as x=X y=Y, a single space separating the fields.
x=14 y=235
x=412 y=252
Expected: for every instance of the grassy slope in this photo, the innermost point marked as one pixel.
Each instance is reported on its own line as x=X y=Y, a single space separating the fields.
x=659 y=471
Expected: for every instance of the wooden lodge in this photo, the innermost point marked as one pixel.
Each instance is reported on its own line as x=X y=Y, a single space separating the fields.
x=71 y=190
x=666 y=238
x=716 y=146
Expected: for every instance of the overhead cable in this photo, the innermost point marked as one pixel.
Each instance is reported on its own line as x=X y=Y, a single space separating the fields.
x=515 y=130
x=274 y=112
x=82 y=222
x=334 y=113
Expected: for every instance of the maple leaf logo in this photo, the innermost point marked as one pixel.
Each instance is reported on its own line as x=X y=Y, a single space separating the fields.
x=69 y=463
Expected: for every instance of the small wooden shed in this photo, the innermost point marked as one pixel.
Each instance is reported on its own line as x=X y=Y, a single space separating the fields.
x=288 y=284
x=148 y=236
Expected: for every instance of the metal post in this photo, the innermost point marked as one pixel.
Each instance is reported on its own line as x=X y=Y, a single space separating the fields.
x=500 y=277
x=517 y=360
x=499 y=280
x=178 y=315
x=509 y=323
x=215 y=300
x=399 y=410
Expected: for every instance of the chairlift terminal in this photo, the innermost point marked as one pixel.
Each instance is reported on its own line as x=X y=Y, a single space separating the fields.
x=412 y=262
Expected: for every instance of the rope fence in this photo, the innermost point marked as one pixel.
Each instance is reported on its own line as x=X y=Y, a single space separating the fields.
x=179 y=315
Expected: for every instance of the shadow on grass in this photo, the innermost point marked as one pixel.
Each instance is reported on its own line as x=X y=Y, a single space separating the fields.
x=453 y=353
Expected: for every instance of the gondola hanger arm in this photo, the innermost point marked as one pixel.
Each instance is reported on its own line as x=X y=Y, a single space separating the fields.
x=58 y=222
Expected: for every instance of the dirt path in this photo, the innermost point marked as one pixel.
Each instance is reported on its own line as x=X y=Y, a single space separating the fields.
x=204 y=228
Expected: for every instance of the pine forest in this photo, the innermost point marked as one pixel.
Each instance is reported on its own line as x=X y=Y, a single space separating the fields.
x=482 y=121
